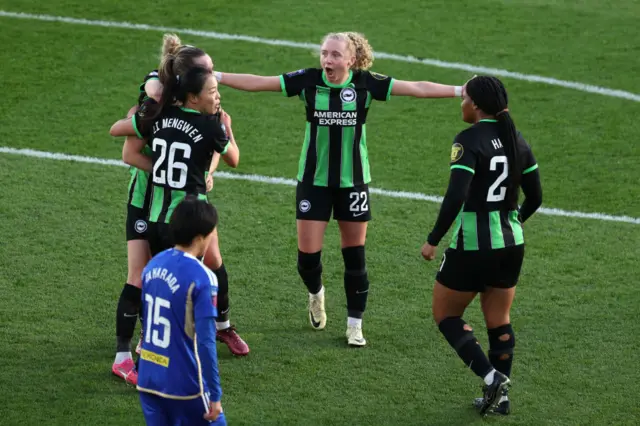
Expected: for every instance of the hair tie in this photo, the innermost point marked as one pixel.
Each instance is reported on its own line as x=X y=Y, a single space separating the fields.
x=502 y=112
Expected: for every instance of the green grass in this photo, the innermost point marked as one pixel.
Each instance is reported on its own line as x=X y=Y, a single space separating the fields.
x=63 y=255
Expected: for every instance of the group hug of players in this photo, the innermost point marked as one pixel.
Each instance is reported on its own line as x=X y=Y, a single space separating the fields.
x=177 y=281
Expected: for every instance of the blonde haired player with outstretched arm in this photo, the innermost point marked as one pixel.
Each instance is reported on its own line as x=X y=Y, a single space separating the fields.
x=333 y=173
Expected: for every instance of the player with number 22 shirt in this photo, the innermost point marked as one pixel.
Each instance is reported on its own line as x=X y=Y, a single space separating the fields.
x=333 y=172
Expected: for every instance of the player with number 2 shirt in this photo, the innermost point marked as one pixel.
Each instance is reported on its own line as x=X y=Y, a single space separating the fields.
x=490 y=162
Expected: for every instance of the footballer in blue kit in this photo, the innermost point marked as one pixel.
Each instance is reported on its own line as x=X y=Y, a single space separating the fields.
x=178 y=375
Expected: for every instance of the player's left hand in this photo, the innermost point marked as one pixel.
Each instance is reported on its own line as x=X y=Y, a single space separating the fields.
x=225 y=118
x=132 y=111
x=428 y=251
x=215 y=408
x=209 y=182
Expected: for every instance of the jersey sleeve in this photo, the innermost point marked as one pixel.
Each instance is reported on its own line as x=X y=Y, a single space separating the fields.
x=527 y=159
x=462 y=155
x=205 y=297
x=379 y=85
x=219 y=136
x=141 y=125
x=204 y=312
x=294 y=82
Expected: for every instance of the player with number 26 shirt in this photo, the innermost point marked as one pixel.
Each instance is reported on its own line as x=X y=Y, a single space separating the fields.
x=183 y=141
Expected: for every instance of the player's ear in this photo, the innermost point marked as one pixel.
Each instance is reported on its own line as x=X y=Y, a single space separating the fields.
x=193 y=98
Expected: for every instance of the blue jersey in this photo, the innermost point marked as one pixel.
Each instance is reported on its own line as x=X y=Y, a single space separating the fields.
x=178 y=296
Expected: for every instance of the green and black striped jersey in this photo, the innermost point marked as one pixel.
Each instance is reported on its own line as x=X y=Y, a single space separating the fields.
x=183 y=141
x=334 y=153
x=489 y=218
x=139 y=190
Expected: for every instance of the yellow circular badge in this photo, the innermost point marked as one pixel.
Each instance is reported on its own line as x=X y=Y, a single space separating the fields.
x=457 y=151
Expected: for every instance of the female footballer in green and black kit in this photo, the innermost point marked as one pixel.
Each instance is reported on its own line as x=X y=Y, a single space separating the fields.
x=138 y=202
x=490 y=162
x=333 y=172
x=139 y=190
x=183 y=140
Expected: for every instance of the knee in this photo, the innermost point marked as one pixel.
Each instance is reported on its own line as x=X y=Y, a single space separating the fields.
x=309 y=261
x=502 y=340
x=497 y=320
x=213 y=261
x=134 y=277
x=354 y=260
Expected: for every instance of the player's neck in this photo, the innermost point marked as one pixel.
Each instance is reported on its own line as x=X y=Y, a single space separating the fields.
x=193 y=250
x=482 y=116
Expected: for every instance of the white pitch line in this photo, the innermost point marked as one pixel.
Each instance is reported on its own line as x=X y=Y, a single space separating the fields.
x=472 y=69
x=291 y=182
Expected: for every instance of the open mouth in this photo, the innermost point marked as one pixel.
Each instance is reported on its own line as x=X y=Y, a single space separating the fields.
x=329 y=71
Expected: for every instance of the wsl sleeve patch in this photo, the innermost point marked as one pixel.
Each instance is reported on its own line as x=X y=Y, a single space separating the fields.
x=457 y=151
x=294 y=73
x=378 y=76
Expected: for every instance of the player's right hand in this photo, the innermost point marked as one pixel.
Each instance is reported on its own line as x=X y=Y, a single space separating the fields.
x=215 y=408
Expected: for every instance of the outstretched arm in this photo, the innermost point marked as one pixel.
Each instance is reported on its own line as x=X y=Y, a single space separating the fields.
x=425 y=89
x=249 y=82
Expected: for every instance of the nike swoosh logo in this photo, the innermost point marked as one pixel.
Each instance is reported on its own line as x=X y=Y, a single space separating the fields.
x=359 y=214
x=362 y=292
x=130 y=316
x=314 y=323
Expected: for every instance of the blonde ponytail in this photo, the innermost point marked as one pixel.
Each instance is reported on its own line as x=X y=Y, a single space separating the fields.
x=170 y=45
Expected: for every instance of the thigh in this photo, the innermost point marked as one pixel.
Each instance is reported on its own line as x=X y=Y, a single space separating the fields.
x=351 y=204
x=449 y=303
x=352 y=234
x=153 y=409
x=136 y=223
x=212 y=257
x=310 y=235
x=496 y=305
x=462 y=271
x=138 y=254
x=313 y=202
